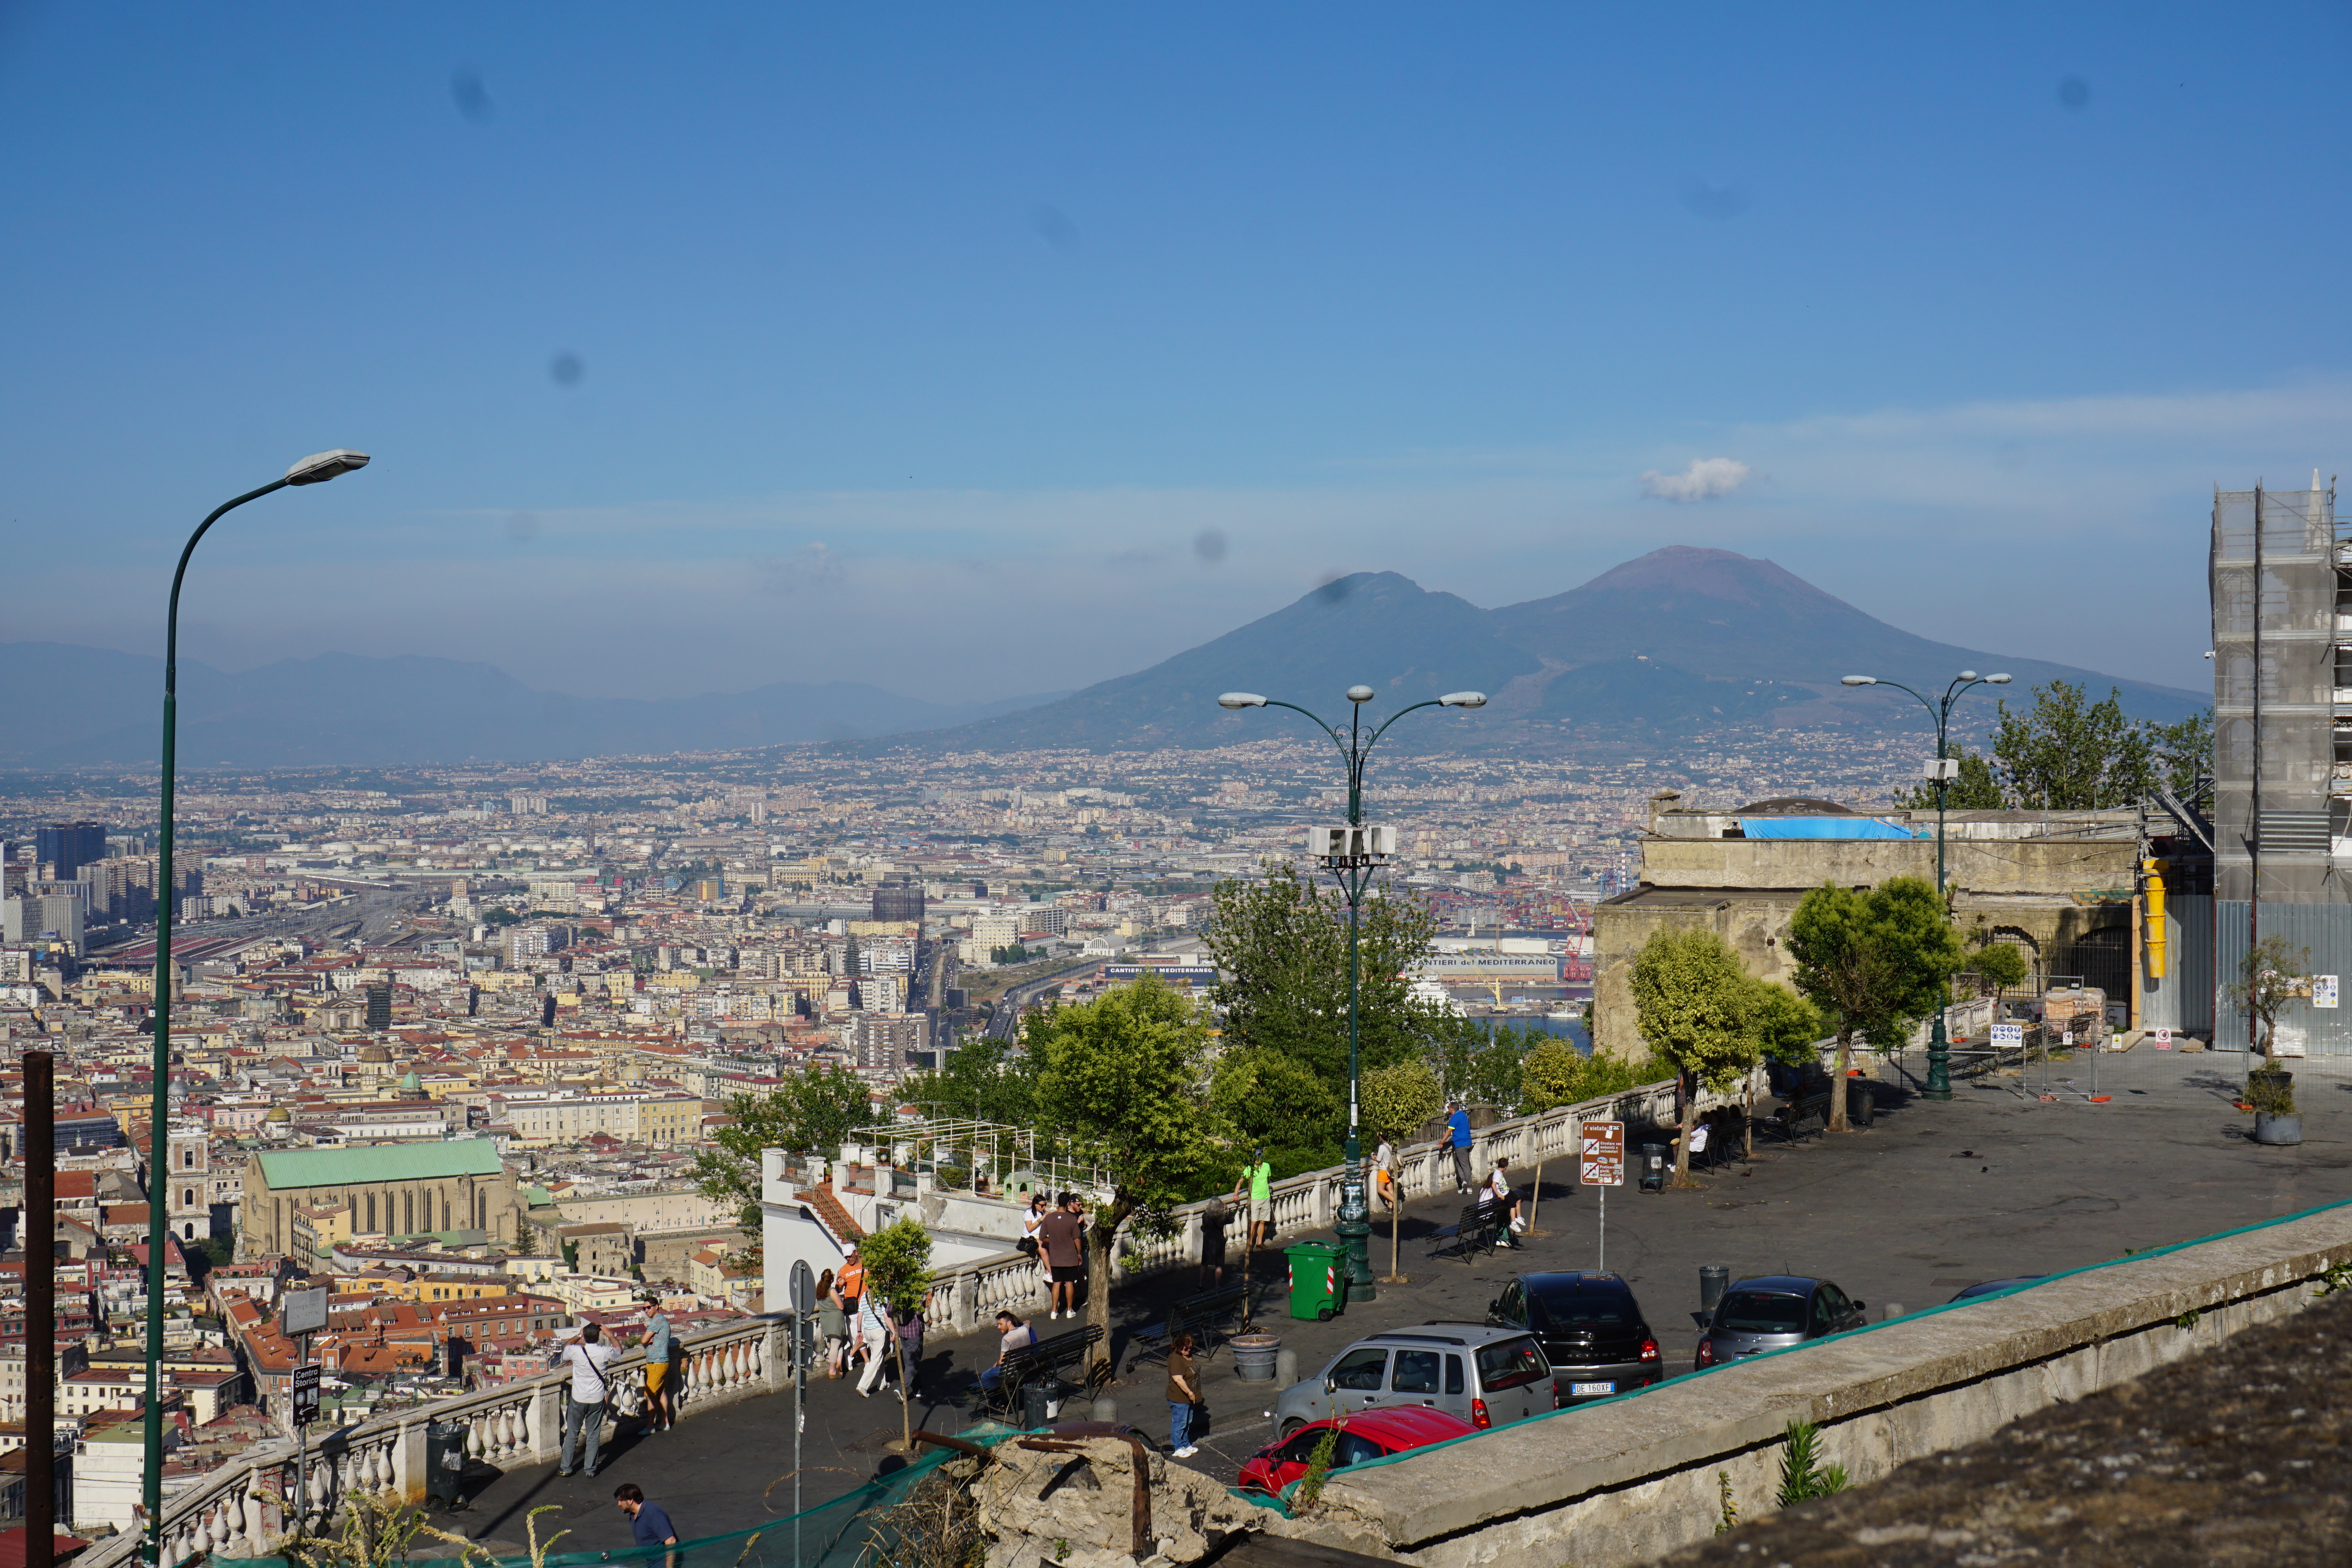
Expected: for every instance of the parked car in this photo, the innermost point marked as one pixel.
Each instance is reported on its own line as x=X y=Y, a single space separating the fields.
x=1989 y=1286
x=1772 y=1313
x=1477 y=1373
x=1590 y=1327
x=1374 y=1435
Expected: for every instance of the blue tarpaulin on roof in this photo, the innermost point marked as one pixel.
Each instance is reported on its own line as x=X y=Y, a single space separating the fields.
x=1825 y=827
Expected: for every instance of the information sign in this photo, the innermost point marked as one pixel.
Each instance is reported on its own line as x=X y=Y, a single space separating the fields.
x=304 y=1311
x=1602 y=1164
x=2323 y=990
x=306 y=1393
x=2007 y=1035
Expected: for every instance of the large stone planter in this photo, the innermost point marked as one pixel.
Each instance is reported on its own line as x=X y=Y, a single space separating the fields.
x=2276 y=1130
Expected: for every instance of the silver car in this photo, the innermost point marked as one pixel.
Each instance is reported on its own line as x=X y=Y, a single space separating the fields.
x=1772 y=1313
x=1486 y=1377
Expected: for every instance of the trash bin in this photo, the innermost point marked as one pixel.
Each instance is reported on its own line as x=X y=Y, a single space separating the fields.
x=1714 y=1279
x=1653 y=1167
x=1255 y=1356
x=1041 y=1401
x=1317 y=1289
x=1861 y=1102
x=445 y=1461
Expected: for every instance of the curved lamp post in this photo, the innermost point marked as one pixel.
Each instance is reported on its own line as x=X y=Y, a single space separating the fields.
x=1939 y=1046
x=315 y=469
x=1354 y=874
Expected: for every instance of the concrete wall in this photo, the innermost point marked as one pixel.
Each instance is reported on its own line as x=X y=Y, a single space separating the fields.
x=2001 y=865
x=1630 y=1479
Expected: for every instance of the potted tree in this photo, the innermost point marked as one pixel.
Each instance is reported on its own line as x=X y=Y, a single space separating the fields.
x=2273 y=977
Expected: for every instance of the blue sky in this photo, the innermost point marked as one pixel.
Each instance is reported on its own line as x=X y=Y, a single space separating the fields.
x=709 y=346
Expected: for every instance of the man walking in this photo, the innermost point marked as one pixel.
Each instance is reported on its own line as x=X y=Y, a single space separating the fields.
x=584 y=1400
x=1459 y=1121
x=649 y=1522
x=1064 y=1255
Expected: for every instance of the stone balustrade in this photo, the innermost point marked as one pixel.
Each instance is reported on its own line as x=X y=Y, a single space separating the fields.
x=243 y=1508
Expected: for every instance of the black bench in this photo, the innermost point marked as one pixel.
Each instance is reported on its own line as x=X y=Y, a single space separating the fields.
x=1202 y=1316
x=1046 y=1357
x=1478 y=1229
x=1789 y=1120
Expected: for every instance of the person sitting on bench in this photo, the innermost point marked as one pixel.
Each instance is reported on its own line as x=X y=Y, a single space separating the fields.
x=1012 y=1334
x=1499 y=1195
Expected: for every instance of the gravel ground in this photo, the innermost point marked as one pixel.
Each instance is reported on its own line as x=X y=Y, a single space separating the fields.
x=2238 y=1456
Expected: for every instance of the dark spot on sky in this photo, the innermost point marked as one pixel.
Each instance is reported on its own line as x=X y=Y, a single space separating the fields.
x=2073 y=92
x=1053 y=226
x=1211 y=545
x=566 y=368
x=466 y=88
x=523 y=526
x=1717 y=204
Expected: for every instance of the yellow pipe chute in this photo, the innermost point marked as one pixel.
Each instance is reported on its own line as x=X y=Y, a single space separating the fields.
x=2157 y=949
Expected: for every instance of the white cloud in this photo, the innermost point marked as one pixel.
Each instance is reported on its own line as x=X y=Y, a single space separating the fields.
x=1705 y=479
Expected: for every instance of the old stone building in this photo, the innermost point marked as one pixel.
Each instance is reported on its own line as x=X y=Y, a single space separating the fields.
x=391 y=1189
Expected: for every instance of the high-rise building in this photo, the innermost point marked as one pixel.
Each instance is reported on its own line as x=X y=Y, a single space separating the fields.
x=70 y=846
x=899 y=897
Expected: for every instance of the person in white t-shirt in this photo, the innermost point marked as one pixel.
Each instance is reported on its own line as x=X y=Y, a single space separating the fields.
x=1498 y=1193
x=591 y=1361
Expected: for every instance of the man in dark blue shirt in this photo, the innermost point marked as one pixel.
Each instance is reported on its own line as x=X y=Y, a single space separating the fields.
x=648 y=1523
x=1458 y=1119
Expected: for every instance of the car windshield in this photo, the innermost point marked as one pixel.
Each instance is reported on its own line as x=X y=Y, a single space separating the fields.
x=1571 y=1309
x=1507 y=1363
x=1761 y=1312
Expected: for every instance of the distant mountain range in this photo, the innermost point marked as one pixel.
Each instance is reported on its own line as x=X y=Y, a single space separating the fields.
x=62 y=706
x=1678 y=642
x=1669 y=647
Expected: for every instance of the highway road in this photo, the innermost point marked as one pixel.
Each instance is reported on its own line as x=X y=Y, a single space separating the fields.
x=1002 y=1022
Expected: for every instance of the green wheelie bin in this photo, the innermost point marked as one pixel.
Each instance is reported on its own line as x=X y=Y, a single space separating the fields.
x=1318 y=1281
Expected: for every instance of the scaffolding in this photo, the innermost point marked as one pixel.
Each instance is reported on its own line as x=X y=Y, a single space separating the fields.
x=993 y=1157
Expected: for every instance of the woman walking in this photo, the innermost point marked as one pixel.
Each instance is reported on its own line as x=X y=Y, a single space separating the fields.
x=1183 y=1394
x=874 y=1330
x=832 y=1323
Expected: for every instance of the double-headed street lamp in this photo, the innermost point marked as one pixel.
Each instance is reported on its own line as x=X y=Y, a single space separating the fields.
x=1943 y=770
x=311 y=470
x=1350 y=854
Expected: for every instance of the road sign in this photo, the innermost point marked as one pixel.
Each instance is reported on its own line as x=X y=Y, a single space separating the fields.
x=304 y=1311
x=2164 y=1039
x=1602 y=1164
x=306 y=1393
x=2007 y=1035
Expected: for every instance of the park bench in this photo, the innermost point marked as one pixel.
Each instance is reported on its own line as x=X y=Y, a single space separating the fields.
x=1201 y=1315
x=1478 y=1229
x=1789 y=1120
x=1046 y=1357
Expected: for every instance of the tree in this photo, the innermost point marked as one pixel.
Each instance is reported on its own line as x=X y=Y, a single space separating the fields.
x=1691 y=997
x=1478 y=1062
x=1264 y=1100
x=1549 y=1075
x=810 y=1111
x=1281 y=948
x=897 y=1259
x=1123 y=1079
x=1785 y=1024
x=1998 y=967
x=1875 y=962
x=1399 y=1100
x=2184 y=751
x=984 y=1078
x=2064 y=754
x=2271 y=976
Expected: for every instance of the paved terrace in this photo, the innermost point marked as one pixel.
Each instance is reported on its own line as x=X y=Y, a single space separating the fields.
x=1994 y=1184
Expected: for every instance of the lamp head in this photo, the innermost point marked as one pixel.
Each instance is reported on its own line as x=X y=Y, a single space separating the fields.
x=1241 y=699
x=319 y=467
x=1859 y=680
x=1968 y=675
x=1463 y=700
x=1360 y=694
x=1996 y=680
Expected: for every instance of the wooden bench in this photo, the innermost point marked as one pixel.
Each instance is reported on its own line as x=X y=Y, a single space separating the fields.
x=1478 y=1229
x=1201 y=1315
x=1789 y=1120
x=1046 y=1357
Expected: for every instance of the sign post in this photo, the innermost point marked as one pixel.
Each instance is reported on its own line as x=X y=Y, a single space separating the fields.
x=300 y=1314
x=1601 y=1163
x=804 y=1289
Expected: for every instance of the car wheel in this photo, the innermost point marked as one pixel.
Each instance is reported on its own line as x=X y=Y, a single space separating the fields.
x=1290 y=1427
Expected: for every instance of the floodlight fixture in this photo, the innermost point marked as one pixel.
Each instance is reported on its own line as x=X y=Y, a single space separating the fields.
x=1241 y=699
x=319 y=467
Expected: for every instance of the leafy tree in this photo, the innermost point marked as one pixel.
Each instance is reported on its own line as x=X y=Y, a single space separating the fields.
x=1281 y=947
x=1785 y=1024
x=2270 y=977
x=1998 y=967
x=1875 y=962
x=1550 y=1075
x=897 y=1259
x=1691 y=997
x=1399 y=1100
x=2184 y=751
x=1478 y=1063
x=1264 y=1100
x=1123 y=1077
x=1017 y=954
x=2066 y=754
x=985 y=1078
x=811 y=1111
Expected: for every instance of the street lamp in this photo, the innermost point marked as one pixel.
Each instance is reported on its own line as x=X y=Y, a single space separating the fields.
x=317 y=469
x=1350 y=854
x=1943 y=770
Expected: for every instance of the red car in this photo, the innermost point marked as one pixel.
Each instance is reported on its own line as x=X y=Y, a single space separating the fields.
x=1373 y=1435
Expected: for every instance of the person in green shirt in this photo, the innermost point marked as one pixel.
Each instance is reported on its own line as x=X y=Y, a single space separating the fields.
x=1258 y=1177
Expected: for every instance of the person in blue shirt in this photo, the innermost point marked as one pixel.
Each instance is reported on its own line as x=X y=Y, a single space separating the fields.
x=1459 y=1119
x=648 y=1523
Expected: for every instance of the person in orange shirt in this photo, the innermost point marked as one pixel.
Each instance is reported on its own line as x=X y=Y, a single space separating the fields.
x=852 y=1286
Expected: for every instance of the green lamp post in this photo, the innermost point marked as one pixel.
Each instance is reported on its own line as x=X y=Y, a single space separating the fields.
x=1939 y=1044
x=1352 y=857
x=310 y=470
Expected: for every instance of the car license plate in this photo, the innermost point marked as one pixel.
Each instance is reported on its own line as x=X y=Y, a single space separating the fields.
x=1578 y=1390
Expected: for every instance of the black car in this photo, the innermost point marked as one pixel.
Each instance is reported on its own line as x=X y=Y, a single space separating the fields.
x=1590 y=1327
